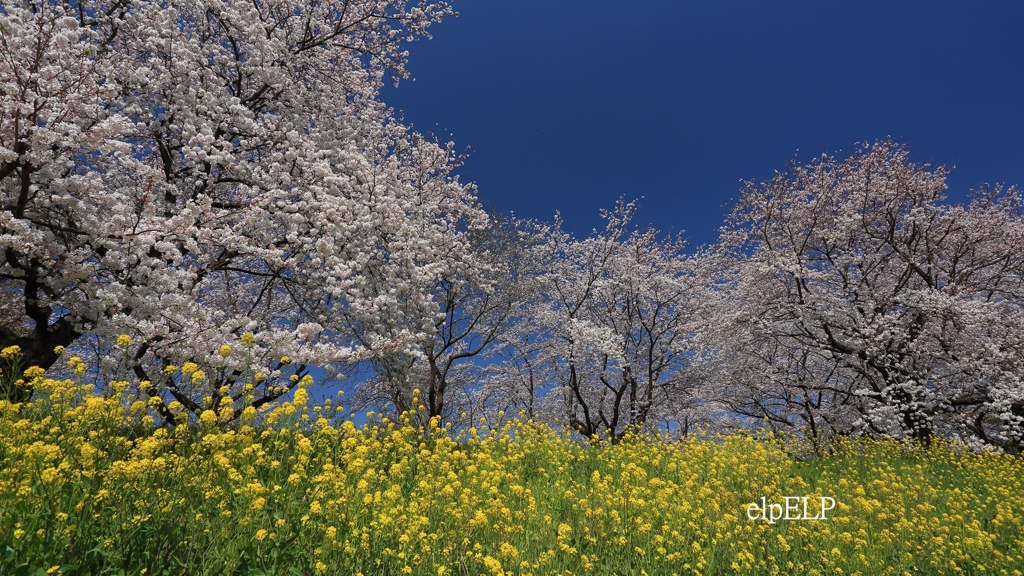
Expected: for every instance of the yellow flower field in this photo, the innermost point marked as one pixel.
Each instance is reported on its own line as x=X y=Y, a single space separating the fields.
x=89 y=485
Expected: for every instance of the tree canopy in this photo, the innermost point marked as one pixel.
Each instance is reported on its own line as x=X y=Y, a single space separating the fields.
x=188 y=172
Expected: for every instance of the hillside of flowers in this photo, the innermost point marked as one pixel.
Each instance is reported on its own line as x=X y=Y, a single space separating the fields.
x=90 y=483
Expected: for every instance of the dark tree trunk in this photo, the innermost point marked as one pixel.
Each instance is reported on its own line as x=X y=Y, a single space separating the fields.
x=37 y=349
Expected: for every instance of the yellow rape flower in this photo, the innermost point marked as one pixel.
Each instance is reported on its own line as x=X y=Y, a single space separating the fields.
x=124 y=341
x=248 y=340
x=493 y=565
x=208 y=418
x=508 y=550
x=34 y=372
x=224 y=351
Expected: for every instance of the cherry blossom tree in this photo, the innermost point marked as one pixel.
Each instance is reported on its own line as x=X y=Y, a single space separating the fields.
x=475 y=307
x=605 y=345
x=520 y=373
x=186 y=172
x=853 y=297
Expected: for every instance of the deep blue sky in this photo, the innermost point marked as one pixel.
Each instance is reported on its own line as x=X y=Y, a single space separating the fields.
x=569 y=104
